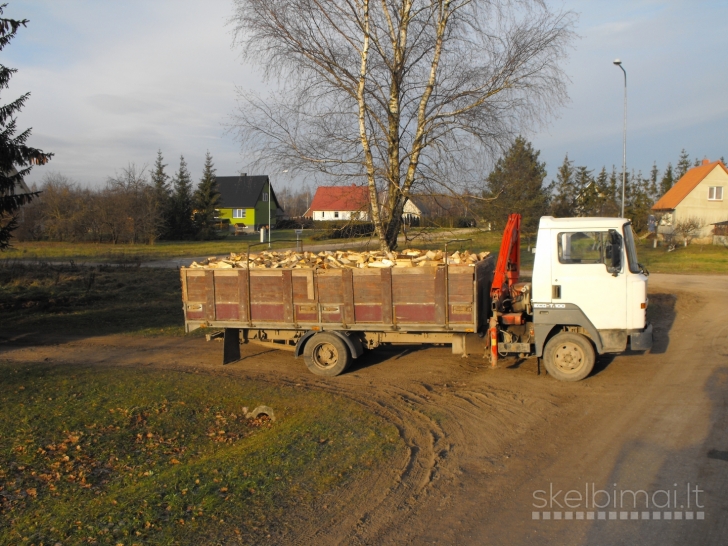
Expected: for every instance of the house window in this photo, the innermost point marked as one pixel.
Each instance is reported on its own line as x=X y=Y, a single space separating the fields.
x=715 y=193
x=336 y=214
x=265 y=196
x=323 y=215
x=238 y=213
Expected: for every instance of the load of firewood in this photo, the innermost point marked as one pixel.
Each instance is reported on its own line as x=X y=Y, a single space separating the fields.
x=340 y=259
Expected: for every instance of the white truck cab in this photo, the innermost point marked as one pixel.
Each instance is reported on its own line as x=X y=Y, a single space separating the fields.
x=587 y=288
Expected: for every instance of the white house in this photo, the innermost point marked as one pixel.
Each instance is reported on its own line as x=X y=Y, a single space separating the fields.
x=700 y=194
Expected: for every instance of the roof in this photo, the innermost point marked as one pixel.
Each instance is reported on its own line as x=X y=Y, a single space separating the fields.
x=579 y=222
x=686 y=184
x=340 y=198
x=242 y=191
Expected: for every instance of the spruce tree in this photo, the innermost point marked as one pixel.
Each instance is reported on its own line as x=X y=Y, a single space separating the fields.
x=564 y=198
x=16 y=158
x=181 y=222
x=162 y=196
x=586 y=193
x=668 y=179
x=516 y=185
x=653 y=188
x=683 y=165
x=606 y=199
x=206 y=201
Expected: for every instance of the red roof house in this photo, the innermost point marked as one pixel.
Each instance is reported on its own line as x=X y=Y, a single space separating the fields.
x=700 y=194
x=340 y=203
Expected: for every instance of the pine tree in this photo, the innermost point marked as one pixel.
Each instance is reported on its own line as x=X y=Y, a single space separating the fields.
x=206 y=200
x=613 y=190
x=586 y=201
x=16 y=158
x=668 y=179
x=516 y=185
x=162 y=196
x=181 y=221
x=564 y=198
x=683 y=165
x=606 y=194
x=639 y=202
x=653 y=188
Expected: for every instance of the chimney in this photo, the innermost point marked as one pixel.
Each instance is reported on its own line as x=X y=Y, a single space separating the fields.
x=706 y=161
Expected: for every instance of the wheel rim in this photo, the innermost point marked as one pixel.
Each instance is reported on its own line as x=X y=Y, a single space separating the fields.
x=325 y=356
x=569 y=357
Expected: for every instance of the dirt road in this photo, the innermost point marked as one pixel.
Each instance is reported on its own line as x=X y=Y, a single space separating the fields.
x=488 y=451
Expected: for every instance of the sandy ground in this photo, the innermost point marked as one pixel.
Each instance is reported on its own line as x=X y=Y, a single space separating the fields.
x=489 y=450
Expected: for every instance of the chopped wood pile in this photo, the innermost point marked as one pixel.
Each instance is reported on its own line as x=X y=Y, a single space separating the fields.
x=339 y=259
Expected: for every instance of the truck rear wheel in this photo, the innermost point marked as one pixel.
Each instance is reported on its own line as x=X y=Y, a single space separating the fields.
x=326 y=354
x=568 y=357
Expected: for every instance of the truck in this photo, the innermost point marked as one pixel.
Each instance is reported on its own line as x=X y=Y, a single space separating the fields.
x=587 y=297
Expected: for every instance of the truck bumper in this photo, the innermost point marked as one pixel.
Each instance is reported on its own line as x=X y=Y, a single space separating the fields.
x=641 y=340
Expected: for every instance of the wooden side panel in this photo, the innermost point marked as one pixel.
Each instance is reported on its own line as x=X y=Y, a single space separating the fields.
x=330 y=288
x=347 y=283
x=243 y=295
x=386 y=286
x=413 y=285
x=287 y=294
x=440 y=296
x=267 y=296
x=210 y=295
x=415 y=313
x=461 y=293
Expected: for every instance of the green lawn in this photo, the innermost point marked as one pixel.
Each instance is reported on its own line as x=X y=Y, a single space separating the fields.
x=697 y=259
x=105 y=455
x=128 y=253
x=90 y=300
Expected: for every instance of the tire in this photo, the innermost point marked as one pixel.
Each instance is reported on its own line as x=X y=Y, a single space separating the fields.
x=569 y=357
x=326 y=354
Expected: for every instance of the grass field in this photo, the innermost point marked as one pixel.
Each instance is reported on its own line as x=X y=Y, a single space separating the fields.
x=136 y=456
x=90 y=300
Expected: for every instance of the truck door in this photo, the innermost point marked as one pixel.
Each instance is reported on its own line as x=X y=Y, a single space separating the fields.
x=588 y=271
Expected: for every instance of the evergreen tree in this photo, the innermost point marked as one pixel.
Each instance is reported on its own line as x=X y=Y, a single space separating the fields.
x=683 y=165
x=206 y=200
x=639 y=202
x=586 y=201
x=564 y=198
x=653 y=188
x=607 y=206
x=613 y=189
x=668 y=179
x=181 y=221
x=162 y=196
x=516 y=185
x=16 y=158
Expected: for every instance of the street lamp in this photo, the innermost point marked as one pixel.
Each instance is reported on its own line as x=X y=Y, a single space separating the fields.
x=624 y=153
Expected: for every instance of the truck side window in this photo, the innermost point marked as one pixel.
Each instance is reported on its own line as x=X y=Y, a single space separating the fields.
x=584 y=247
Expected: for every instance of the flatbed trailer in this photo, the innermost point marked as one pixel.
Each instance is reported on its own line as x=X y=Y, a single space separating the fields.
x=365 y=308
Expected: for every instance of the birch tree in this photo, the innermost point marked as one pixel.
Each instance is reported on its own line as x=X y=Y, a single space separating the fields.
x=403 y=96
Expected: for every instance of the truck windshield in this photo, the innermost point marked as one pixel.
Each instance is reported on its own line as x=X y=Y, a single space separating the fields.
x=634 y=267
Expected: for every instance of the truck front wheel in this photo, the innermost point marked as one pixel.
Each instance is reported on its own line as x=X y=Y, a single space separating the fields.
x=568 y=357
x=326 y=354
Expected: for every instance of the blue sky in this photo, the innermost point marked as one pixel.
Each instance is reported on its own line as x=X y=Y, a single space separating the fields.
x=112 y=82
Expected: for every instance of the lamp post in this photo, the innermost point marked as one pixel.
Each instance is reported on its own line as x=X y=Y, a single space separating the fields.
x=624 y=138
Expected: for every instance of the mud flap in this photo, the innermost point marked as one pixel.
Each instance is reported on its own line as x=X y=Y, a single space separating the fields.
x=231 y=346
x=641 y=340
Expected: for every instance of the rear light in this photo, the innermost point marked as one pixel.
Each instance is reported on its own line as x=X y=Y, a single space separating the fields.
x=643 y=305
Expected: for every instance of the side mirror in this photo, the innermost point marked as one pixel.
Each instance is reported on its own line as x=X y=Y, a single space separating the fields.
x=613 y=257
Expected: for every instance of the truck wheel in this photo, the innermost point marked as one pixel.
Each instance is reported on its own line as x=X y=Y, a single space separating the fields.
x=326 y=354
x=568 y=357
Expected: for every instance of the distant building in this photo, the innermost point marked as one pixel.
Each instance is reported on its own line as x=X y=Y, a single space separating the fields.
x=699 y=194
x=247 y=201
x=340 y=203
